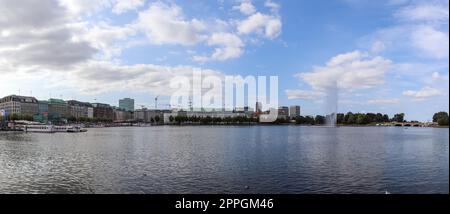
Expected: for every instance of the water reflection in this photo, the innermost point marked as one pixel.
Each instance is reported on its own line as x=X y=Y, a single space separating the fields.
x=241 y=159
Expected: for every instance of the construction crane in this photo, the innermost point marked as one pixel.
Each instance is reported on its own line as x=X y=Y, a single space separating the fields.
x=156 y=102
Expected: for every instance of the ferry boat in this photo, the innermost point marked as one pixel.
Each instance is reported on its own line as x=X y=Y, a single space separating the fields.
x=39 y=128
x=71 y=129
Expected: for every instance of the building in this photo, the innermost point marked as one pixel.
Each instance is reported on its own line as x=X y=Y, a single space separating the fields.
x=58 y=109
x=258 y=107
x=127 y=104
x=42 y=115
x=121 y=115
x=103 y=111
x=42 y=106
x=294 y=112
x=90 y=112
x=80 y=109
x=149 y=115
x=22 y=105
x=249 y=112
x=283 y=112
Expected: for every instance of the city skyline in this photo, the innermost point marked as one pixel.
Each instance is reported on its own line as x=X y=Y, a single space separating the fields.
x=382 y=56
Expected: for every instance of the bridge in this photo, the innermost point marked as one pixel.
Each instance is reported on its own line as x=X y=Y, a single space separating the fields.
x=406 y=124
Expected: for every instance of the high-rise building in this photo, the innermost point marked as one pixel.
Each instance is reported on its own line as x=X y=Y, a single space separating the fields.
x=283 y=112
x=126 y=104
x=294 y=111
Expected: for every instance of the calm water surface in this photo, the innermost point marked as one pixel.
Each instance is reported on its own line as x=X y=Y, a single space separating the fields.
x=217 y=159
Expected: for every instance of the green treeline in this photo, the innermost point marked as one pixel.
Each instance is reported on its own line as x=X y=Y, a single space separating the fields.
x=212 y=120
x=351 y=118
x=441 y=118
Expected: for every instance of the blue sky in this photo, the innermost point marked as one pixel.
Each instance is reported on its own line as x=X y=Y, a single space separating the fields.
x=382 y=56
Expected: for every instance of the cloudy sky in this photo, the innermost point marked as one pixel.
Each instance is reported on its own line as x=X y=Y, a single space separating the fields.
x=382 y=56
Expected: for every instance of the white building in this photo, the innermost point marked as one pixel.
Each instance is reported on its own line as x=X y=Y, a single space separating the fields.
x=294 y=111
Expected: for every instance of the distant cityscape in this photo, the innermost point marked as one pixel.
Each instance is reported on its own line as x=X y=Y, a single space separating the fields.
x=59 y=111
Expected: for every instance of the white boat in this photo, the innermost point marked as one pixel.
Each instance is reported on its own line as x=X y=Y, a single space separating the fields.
x=68 y=129
x=39 y=128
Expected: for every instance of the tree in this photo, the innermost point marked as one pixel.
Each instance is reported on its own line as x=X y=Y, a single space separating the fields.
x=362 y=119
x=350 y=118
x=319 y=119
x=378 y=118
x=13 y=117
x=371 y=117
x=439 y=115
x=300 y=120
x=385 y=118
x=340 y=118
x=441 y=118
x=399 y=117
x=443 y=121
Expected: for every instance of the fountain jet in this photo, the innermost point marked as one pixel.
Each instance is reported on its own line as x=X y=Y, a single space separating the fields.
x=331 y=104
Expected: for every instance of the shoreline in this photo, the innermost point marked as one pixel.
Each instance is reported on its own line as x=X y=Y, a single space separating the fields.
x=142 y=125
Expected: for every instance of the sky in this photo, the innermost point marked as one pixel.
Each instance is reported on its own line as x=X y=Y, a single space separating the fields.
x=381 y=56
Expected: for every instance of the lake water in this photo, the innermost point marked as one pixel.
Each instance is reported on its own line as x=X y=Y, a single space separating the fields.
x=227 y=159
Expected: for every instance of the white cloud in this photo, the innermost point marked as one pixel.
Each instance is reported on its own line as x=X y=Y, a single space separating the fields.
x=272 y=5
x=30 y=14
x=105 y=76
x=246 y=7
x=383 y=101
x=353 y=70
x=346 y=57
x=378 y=47
x=230 y=46
x=54 y=39
x=436 y=76
x=39 y=35
x=268 y=26
x=431 y=41
x=302 y=94
x=165 y=24
x=423 y=93
x=84 y=7
x=424 y=12
x=107 y=38
x=122 y=6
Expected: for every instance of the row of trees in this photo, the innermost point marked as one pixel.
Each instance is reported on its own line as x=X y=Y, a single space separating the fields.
x=442 y=118
x=362 y=119
x=89 y=120
x=351 y=118
x=13 y=117
x=212 y=120
x=309 y=120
